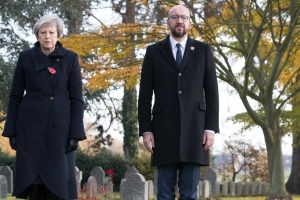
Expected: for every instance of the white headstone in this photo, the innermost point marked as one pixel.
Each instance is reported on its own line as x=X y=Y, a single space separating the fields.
x=200 y=189
x=78 y=178
x=135 y=187
x=264 y=189
x=232 y=188
x=238 y=188
x=246 y=189
x=150 y=190
x=211 y=175
x=252 y=189
x=130 y=170
x=258 y=188
x=8 y=173
x=99 y=174
x=121 y=188
x=3 y=187
x=91 y=187
x=155 y=182
x=225 y=188
x=217 y=189
x=206 y=189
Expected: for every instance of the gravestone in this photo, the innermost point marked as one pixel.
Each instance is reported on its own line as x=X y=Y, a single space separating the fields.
x=264 y=189
x=150 y=190
x=3 y=187
x=78 y=174
x=8 y=173
x=246 y=189
x=206 y=189
x=155 y=182
x=211 y=176
x=232 y=189
x=200 y=189
x=99 y=174
x=121 y=188
x=252 y=189
x=238 y=188
x=135 y=187
x=91 y=187
x=209 y=184
x=225 y=188
x=258 y=188
x=217 y=189
x=130 y=170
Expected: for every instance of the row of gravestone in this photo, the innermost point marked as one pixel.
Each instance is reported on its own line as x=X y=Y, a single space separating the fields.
x=130 y=183
x=134 y=186
x=99 y=175
x=206 y=189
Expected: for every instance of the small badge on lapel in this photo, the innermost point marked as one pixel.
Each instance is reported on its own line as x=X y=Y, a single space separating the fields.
x=192 y=48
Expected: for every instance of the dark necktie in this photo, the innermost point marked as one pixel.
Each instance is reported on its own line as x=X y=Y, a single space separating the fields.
x=178 y=55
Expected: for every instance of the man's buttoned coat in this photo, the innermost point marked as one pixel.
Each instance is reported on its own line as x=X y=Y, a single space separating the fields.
x=186 y=101
x=44 y=111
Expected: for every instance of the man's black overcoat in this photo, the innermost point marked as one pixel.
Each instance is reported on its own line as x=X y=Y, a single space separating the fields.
x=44 y=111
x=186 y=101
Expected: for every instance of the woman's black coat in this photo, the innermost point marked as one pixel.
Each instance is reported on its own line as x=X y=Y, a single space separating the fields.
x=44 y=111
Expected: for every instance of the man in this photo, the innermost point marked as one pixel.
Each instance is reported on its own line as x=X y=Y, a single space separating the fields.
x=185 y=115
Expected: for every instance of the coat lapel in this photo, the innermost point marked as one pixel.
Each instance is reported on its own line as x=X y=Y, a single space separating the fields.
x=40 y=60
x=189 y=51
x=166 y=50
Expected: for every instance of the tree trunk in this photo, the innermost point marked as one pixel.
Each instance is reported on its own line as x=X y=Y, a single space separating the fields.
x=275 y=164
x=293 y=183
x=129 y=121
x=129 y=106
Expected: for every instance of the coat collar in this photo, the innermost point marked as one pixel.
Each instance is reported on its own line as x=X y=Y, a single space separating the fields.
x=189 y=51
x=40 y=60
x=167 y=52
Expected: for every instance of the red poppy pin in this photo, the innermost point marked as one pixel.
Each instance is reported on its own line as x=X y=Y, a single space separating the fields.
x=51 y=70
x=192 y=48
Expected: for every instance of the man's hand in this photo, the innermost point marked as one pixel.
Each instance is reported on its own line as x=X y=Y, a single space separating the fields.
x=148 y=140
x=208 y=140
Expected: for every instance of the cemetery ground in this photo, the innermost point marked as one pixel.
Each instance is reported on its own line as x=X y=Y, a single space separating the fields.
x=116 y=196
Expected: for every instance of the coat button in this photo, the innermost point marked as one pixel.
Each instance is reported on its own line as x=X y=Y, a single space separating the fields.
x=177 y=110
x=179 y=74
x=51 y=98
x=180 y=92
x=56 y=59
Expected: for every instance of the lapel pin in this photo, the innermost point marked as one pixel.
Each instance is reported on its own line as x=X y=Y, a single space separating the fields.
x=192 y=48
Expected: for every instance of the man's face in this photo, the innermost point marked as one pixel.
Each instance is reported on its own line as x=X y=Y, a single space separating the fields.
x=178 y=21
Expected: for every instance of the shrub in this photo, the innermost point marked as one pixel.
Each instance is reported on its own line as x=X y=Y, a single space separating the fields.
x=105 y=159
x=143 y=165
x=7 y=160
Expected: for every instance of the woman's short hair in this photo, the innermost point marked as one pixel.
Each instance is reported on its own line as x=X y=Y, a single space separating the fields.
x=49 y=19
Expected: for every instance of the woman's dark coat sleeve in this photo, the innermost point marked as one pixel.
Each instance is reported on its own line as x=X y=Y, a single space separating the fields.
x=76 y=102
x=15 y=98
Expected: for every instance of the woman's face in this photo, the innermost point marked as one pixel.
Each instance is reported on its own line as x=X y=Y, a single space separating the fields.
x=47 y=36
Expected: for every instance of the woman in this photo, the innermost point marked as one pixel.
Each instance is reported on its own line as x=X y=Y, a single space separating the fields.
x=45 y=116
